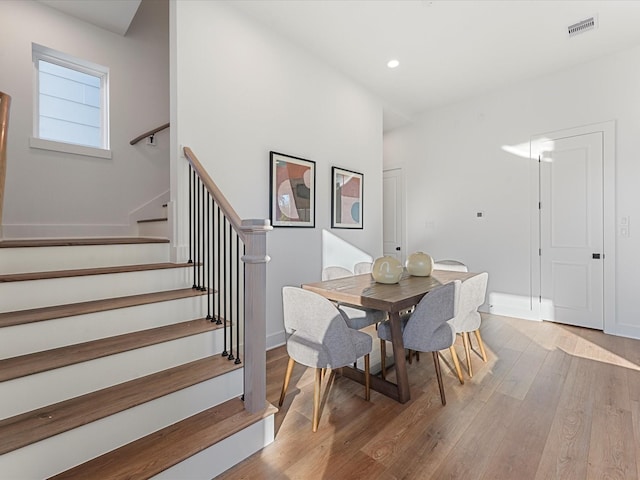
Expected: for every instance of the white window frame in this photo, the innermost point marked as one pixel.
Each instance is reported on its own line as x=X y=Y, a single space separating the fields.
x=49 y=55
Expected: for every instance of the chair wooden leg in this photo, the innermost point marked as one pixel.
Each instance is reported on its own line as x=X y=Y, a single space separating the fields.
x=417 y=356
x=367 y=380
x=383 y=359
x=410 y=355
x=436 y=363
x=287 y=377
x=467 y=351
x=456 y=363
x=481 y=345
x=316 y=399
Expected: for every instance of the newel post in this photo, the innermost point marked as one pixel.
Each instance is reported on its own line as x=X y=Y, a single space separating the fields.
x=255 y=311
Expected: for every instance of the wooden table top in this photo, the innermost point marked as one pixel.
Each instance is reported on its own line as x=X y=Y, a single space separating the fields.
x=363 y=290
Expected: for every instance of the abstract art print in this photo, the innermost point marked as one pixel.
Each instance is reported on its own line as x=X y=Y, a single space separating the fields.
x=292 y=191
x=346 y=198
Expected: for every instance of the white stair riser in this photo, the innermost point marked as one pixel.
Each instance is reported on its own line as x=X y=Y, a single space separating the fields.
x=154 y=229
x=223 y=455
x=35 y=391
x=38 y=336
x=61 y=452
x=40 y=259
x=61 y=291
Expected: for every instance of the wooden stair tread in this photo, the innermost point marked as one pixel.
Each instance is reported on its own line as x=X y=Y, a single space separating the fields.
x=68 y=242
x=160 y=450
x=37 y=362
x=31 y=427
x=19 y=277
x=148 y=220
x=59 y=311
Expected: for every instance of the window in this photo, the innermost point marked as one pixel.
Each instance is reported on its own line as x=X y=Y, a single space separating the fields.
x=71 y=107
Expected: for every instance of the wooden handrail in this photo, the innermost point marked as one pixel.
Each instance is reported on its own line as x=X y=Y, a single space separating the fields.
x=149 y=133
x=5 y=103
x=215 y=192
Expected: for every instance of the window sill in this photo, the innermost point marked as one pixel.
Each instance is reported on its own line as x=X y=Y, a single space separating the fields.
x=68 y=148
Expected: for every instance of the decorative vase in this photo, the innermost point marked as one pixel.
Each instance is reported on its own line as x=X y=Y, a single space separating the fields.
x=387 y=270
x=420 y=264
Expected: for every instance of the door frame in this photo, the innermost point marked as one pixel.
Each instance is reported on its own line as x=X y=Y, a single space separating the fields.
x=608 y=130
x=403 y=208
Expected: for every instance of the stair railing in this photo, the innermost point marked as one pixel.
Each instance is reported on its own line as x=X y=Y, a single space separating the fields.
x=151 y=133
x=5 y=103
x=229 y=259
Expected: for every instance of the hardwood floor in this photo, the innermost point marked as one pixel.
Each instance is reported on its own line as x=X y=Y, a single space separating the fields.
x=552 y=402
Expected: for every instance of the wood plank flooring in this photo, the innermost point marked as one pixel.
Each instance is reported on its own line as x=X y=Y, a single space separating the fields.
x=552 y=402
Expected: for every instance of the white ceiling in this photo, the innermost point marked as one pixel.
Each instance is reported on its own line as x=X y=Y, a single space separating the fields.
x=448 y=50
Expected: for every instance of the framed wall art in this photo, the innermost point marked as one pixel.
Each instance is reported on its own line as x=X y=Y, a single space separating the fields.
x=292 y=201
x=346 y=198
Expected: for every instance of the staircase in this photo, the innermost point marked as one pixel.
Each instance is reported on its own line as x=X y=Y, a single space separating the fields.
x=109 y=368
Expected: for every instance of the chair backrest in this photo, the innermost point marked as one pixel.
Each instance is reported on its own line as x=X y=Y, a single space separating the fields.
x=362 y=267
x=332 y=272
x=321 y=326
x=427 y=329
x=451 y=265
x=471 y=296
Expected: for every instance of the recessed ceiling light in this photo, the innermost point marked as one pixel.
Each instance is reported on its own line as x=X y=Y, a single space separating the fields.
x=393 y=63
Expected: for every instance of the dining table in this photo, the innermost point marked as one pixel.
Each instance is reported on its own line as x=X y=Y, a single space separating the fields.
x=364 y=291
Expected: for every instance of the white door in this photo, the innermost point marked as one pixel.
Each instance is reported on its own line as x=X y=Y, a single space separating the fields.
x=392 y=215
x=571 y=230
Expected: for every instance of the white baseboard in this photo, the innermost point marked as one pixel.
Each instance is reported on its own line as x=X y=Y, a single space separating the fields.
x=275 y=340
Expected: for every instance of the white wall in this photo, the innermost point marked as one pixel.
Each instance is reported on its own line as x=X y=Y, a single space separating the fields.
x=240 y=92
x=455 y=165
x=54 y=194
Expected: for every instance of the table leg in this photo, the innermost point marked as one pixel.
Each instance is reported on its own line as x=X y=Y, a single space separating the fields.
x=402 y=378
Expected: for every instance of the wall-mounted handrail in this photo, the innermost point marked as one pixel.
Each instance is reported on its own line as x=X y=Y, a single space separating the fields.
x=229 y=257
x=5 y=103
x=150 y=133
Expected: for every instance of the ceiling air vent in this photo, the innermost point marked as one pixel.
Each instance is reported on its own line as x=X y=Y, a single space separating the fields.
x=583 y=26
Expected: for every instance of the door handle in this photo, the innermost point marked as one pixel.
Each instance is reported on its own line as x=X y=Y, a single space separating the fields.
x=596 y=256
x=397 y=249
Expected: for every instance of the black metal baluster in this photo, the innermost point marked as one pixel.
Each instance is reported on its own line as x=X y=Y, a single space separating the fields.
x=231 y=293
x=223 y=284
x=198 y=229
x=209 y=280
x=238 y=298
x=192 y=240
x=190 y=219
x=203 y=252
x=219 y=281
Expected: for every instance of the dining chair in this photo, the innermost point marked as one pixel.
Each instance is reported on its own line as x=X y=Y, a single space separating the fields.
x=357 y=317
x=452 y=265
x=467 y=318
x=362 y=267
x=427 y=329
x=318 y=337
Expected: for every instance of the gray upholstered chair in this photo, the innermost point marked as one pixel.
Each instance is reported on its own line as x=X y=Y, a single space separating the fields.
x=427 y=329
x=357 y=317
x=362 y=267
x=467 y=318
x=319 y=338
x=452 y=265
